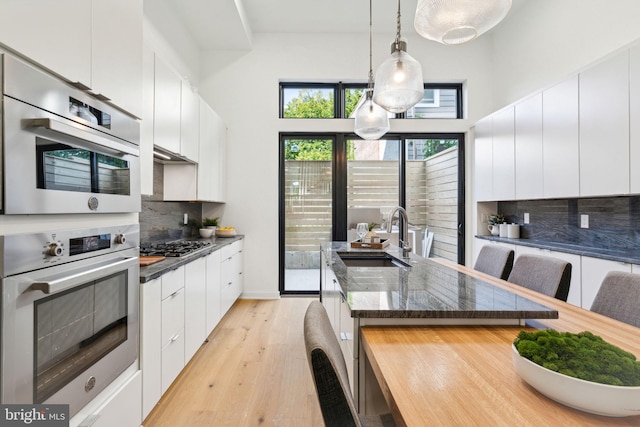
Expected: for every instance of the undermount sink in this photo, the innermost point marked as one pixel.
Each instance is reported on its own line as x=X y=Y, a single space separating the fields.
x=372 y=259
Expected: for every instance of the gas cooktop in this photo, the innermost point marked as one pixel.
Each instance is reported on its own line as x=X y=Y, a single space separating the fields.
x=173 y=249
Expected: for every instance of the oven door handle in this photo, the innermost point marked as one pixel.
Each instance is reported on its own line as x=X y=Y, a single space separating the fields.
x=67 y=130
x=77 y=277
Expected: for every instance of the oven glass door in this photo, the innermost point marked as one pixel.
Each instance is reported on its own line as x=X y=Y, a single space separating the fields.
x=76 y=328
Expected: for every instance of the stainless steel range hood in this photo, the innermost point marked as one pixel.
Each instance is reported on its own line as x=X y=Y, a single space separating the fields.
x=161 y=155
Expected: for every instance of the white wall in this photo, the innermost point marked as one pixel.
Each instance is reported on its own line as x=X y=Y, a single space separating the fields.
x=243 y=88
x=548 y=40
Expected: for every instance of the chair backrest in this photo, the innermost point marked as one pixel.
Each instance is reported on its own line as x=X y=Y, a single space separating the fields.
x=549 y=276
x=619 y=297
x=328 y=369
x=495 y=260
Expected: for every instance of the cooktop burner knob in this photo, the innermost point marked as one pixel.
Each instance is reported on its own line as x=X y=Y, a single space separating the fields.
x=53 y=249
x=120 y=239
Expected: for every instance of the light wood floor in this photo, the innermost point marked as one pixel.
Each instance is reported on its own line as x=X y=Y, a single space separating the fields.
x=252 y=371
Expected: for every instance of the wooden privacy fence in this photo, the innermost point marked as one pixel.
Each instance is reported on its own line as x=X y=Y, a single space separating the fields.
x=432 y=201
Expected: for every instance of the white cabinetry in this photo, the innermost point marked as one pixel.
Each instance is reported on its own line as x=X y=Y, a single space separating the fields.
x=231 y=272
x=483 y=149
x=166 y=115
x=189 y=122
x=594 y=271
x=150 y=343
x=211 y=171
x=346 y=337
x=604 y=128
x=95 y=44
x=561 y=146
x=195 y=300
x=528 y=151
x=172 y=326
x=213 y=291
x=123 y=408
x=146 y=125
x=575 y=288
x=634 y=111
x=504 y=170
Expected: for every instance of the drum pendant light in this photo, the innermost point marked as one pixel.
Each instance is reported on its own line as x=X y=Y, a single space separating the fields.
x=398 y=84
x=371 y=120
x=458 y=21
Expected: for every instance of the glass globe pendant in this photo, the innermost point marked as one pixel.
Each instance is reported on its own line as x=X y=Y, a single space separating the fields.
x=398 y=83
x=371 y=121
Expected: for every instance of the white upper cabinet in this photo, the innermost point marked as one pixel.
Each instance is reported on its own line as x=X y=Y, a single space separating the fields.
x=208 y=179
x=95 y=44
x=529 y=170
x=483 y=156
x=634 y=112
x=504 y=171
x=167 y=113
x=561 y=145
x=604 y=128
x=146 y=125
x=189 y=122
x=116 y=54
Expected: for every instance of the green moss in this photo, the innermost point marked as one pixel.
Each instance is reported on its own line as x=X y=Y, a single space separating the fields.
x=583 y=355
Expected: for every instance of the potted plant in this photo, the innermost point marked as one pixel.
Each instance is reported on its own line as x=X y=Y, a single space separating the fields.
x=210 y=223
x=494 y=223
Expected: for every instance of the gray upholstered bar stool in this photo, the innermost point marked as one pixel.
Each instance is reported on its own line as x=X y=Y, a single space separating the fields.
x=549 y=276
x=330 y=374
x=495 y=260
x=619 y=297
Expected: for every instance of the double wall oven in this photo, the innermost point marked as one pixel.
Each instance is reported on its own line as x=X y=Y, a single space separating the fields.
x=69 y=313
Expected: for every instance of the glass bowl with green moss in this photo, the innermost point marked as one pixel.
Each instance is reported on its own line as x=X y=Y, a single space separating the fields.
x=579 y=370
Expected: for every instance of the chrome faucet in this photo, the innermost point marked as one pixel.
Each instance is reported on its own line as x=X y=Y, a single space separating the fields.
x=404 y=242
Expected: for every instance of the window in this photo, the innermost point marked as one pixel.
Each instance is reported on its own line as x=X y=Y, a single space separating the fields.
x=339 y=100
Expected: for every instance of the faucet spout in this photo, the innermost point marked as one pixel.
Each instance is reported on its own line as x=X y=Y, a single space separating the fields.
x=404 y=241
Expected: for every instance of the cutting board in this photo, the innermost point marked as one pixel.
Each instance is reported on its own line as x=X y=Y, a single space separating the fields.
x=148 y=260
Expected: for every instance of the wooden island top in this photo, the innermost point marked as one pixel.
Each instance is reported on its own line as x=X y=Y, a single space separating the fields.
x=464 y=376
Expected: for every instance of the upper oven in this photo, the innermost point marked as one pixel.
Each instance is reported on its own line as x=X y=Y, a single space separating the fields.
x=64 y=151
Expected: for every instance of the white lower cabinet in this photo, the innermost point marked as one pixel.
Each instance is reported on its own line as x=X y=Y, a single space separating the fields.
x=195 y=311
x=575 y=288
x=172 y=326
x=594 y=271
x=150 y=343
x=346 y=338
x=231 y=273
x=212 y=314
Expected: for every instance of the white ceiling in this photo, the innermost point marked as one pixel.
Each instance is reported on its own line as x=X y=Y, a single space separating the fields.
x=230 y=24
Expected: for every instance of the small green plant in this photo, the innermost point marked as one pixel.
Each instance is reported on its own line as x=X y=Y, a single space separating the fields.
x=583 y=355
x=496 y=219
x=371 y=225
x=210 y=222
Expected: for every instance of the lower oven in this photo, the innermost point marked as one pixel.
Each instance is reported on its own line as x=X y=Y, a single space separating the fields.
x=69 y=313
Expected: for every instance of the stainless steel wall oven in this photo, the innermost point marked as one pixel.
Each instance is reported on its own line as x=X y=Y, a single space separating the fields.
x=69 y=313
x=64 y=151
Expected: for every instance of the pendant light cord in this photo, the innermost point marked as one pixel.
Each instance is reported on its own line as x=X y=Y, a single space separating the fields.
x=370 y=48
x=398 y=28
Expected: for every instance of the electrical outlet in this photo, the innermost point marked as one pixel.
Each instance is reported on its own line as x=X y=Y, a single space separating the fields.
x=584 y=221
x=526 y=217
x=185 y=219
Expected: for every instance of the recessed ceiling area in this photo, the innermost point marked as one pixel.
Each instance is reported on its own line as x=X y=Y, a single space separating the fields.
x=230 y=24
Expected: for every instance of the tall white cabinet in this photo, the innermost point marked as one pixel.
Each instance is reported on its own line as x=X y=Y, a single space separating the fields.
x=529 y=179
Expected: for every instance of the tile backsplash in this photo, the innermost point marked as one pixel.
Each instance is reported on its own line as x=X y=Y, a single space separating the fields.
x=614 y=222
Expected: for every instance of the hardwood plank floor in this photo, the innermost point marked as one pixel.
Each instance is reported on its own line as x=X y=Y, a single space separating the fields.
x=252 y=371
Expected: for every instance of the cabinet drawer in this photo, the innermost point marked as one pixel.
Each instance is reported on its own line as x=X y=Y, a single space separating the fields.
x=172 y=359
x=172 y=316
x=172 y=281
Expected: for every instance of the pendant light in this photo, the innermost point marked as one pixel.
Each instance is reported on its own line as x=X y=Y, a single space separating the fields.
x=371 y=120
x=398 y=84
x=458 y=21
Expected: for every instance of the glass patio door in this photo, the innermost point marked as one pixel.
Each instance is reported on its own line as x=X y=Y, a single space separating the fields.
x=307 y=209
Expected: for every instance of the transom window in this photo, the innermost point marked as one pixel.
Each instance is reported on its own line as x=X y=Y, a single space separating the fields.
x=340 y=100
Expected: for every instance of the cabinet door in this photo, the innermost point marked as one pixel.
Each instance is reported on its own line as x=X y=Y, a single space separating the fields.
x=123 y=408
x=116 y=54
x=528 y=140
x=220 y=190
x=150 y=344
x=55 y=34
x=146 y=125
x=209 y=163
x=483 y=159
x=189 y=122
x=226 y=291
x=504 y=171
x=195 y=300
x=213 y=291
x=166 y=120
x=634 y=111
x=593 y=272
x=172 y=316
x=604 y=128
x=172 y=356
x=560 y=144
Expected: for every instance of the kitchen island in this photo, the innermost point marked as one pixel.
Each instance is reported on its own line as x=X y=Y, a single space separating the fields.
x=413 y=291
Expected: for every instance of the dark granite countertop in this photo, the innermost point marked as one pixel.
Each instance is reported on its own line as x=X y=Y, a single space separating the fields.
x=156 y=270
x=628 y=256
x=427 y=289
